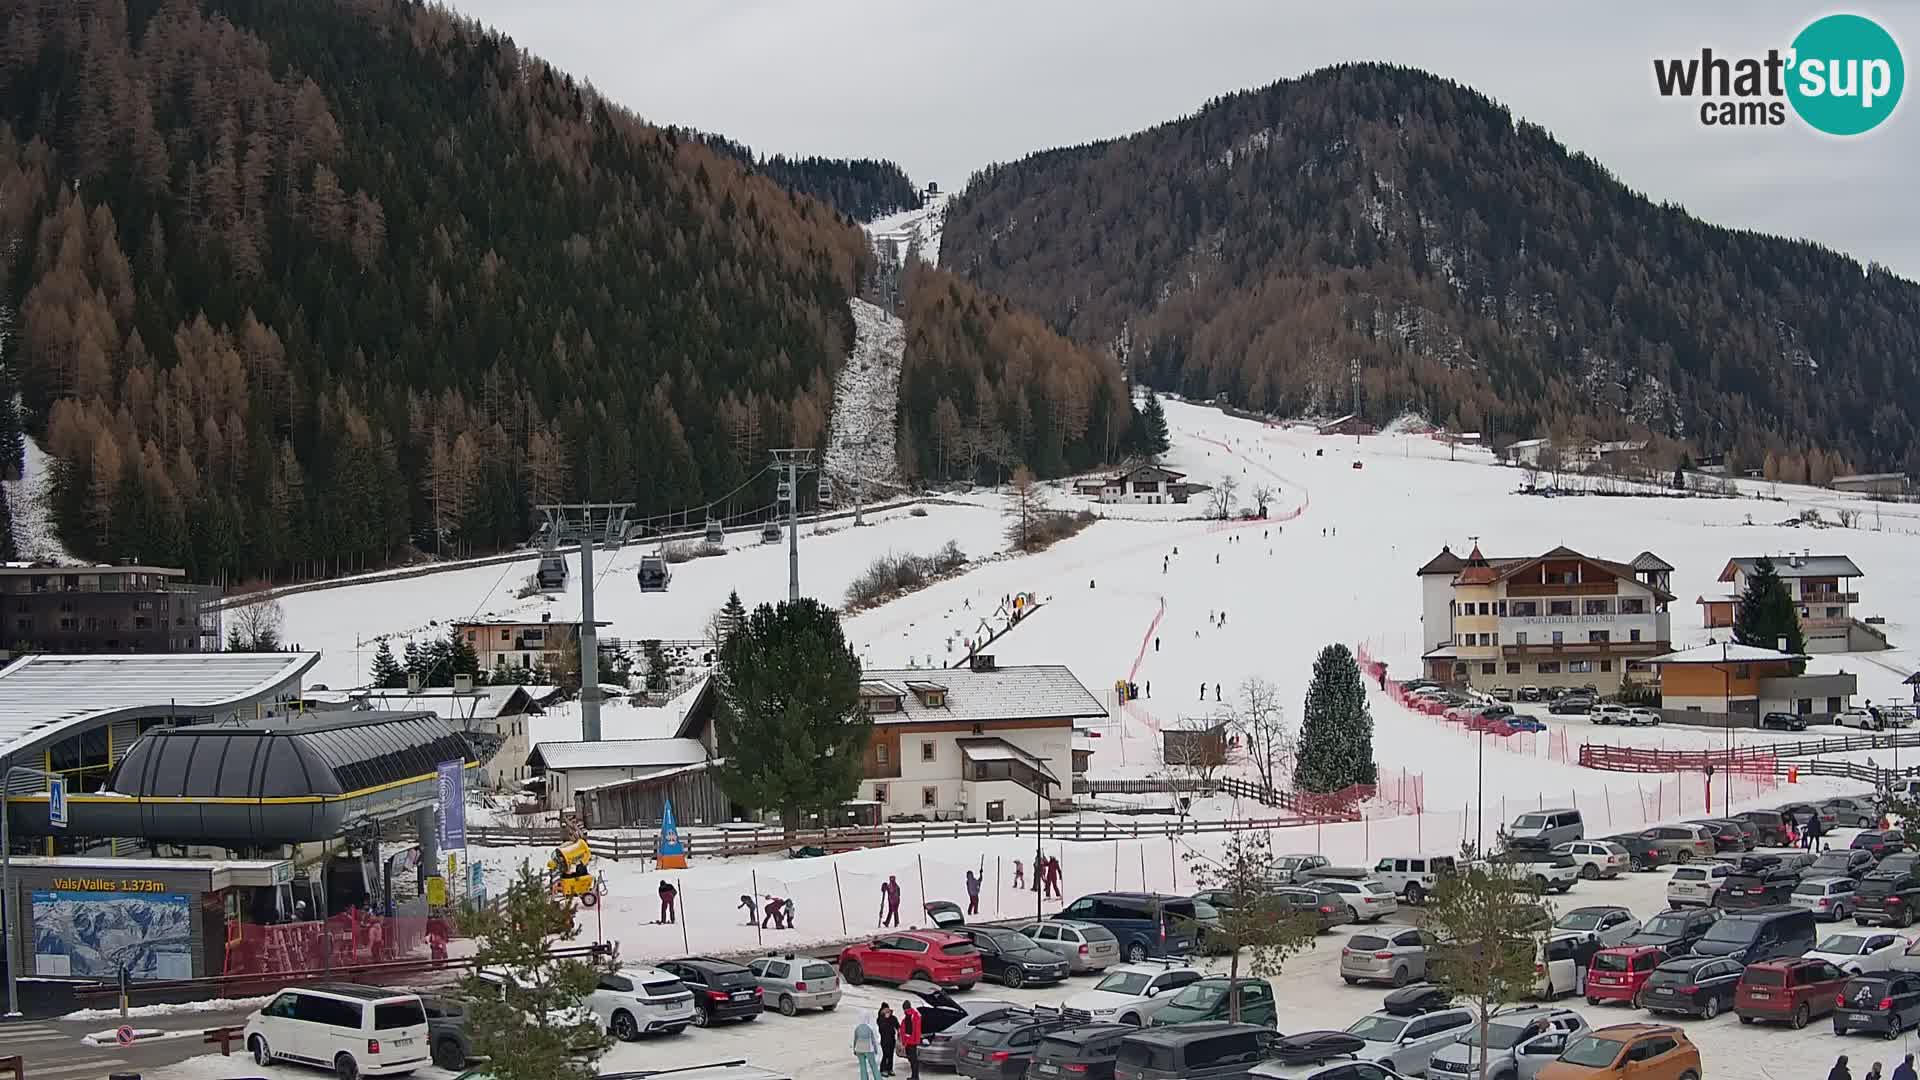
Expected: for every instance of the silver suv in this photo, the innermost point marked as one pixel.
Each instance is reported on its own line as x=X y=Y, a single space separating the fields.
x=1086 y=946
x=1406 y=1043
x=1520 y=1043
x=1398 y=958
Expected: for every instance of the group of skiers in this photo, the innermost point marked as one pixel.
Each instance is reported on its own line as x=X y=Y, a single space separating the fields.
x=875 y=1037
x=778 y=911
x=1046 y=875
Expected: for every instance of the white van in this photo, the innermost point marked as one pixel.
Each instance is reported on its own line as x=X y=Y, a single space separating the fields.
x=351 y=1029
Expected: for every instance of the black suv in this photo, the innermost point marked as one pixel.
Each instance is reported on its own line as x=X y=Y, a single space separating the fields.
x=1727 y=835
x=1784 y=721
x=1675 y=931
x=721 y=990
x=1853 y=863
x=1756 y=887
x=1013 y=959
x=999 y=1049
x=1771 y=823
x=1886 y=899
x=1084 y=1052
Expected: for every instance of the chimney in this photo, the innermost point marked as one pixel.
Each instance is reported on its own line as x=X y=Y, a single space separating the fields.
x=546 y=616
x=982 y=662
x=413 y=682
x=463 y=684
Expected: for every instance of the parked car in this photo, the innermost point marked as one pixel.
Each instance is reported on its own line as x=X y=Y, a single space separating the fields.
x=1766 y=934
x=1406 y=1043
x=1328 y=908
x=1727 y=835
x=1529 y=693
x=1207 y=938
x=944 y=1020
x=1545 y=828
x=930 y=956
x=1855 y=716
x=1849 y=863
x=1879 y=844
x=1886 y=899
x=1762 y=886
x=349 y=1029
x=1697 y=884
x=1557 y=961
x=1546 y=871
x=1643 y=853
x=1082 y=1052
x=1145 y=924
x=1628 y=1052
x=1900 y=862
x=1319 y=1055
x=1207 y=1051
x=449 y=1039
x=1085 y=946
x=722 y=990
x=1001 y=1048
x=1802 y=813
x=1828 y=898
x=1571 y=705
x=1783 y=721
x=1519 y=1043
x=1641 y=716
x=1792 y=991
x=1609 y=714
x=1860 y=952
x=1413 y=877
x=1772 y=826
x=636 y=1001
x=1596 y=858
x=1681 y=843
x=1526 y=722
x=1502 y=693
x=793 y=983
x=1692 y=985
x=1851 y=811
x=1130 y=993
x=1607 y=924
x=1013 y=959
x=1367 y=900
x=1886 y=1004
x=1211 y=999
x=1677 y=929
x=1398 y=958
x=1617 y=974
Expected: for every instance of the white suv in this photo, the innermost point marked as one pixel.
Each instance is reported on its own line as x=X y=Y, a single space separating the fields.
x=1130 y=993
x=1413 y=877
x=1696 y=885
x=351 y=1029
x=636 y=1001
x=1609 y=714
x=1367 y=899
x=1855 y=716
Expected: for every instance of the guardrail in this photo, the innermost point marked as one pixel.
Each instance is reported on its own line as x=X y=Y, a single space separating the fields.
x=17 y=1063
x=1630 y=759
x=224 y=1037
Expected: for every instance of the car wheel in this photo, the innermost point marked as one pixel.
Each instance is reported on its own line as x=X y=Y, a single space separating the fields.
x=262 y=1053
x=1684 y=855
x=1351 y=981
x=624 y=1027
x=1131 y=1018
x=1590 y=872
x=1416 y=894
x=1712 y=1008
x=1801 y=1015
x=1137 y=952
x=851 y=972
x=1013 y=978
x=923 y=976
x=1892 y=1032
x=1593 y=1001
x=345 y=1068
x=1399 y=977
x=1565 y=888
x=1539 y=883
x=1858 y=921
x=701 y=1018
x=447 y=1055
x=1839 y=1030
x=787 y=1007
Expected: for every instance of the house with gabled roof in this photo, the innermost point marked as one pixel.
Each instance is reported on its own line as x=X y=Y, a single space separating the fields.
x=1823 y=592
x=1147 y=483
x=1561 y=618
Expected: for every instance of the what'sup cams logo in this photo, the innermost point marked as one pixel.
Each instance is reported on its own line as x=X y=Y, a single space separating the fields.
x=1842 y=75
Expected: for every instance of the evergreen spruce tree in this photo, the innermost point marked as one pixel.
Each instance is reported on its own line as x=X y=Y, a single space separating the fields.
x=1336 y=731
x=1154 y=439
x=789 y=722
x=656 y=663
x=729 y=618
x=1766 y=614
x=387 y=672
x=414 y=662
x=457 y=658
x=530 y=1025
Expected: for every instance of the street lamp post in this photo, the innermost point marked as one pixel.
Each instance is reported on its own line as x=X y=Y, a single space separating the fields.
x=7 y=772
x=1480 y=800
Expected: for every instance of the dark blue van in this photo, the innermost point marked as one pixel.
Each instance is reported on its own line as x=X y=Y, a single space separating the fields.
x=1146 y=924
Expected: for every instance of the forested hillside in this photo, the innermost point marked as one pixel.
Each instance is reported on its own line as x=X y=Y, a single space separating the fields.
x=985 y=386
x=300 y=281
x=861 y=188
x=1478 y=271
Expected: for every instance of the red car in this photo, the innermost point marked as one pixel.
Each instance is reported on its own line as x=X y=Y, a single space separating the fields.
x=931 y=956
x=1617 y=974
x=1793 y=990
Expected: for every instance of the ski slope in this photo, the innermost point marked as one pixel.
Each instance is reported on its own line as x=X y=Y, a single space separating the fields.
x=917 y=231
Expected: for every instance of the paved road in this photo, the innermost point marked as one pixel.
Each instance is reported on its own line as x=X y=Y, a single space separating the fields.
x=53 y=1048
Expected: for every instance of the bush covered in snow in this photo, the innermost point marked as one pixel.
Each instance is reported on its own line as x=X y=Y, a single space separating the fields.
x=893 y=575
x=680 y=551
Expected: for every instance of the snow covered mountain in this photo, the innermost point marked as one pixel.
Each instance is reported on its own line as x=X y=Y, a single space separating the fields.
x=915 y=233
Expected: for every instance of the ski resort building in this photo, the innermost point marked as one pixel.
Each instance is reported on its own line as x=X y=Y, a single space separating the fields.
x=1890 y=483
x=519 y=643
x=1823 y=592
x=125 y=608
x=1727 y=682
x=1144 y=484
x=1557 y=619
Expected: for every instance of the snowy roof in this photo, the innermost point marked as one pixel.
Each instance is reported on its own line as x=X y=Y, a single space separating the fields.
x=991 y=749
x=1797 y=566
x=44 y=696
x=482 y=703
x=1526 y=444
x=1627 y=571
x=498 y=620
x=619 y=754
x=1864 y=478
x=1444 y=563
x=1647 y=560
x=651 y=776
x=1037 y=692
x=1727 y=653
x=1159 y=472
x=89 y=569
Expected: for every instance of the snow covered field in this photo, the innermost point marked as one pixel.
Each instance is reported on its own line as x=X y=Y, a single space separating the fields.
x=916 y=231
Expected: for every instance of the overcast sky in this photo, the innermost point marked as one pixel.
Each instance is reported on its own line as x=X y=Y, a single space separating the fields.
x=946 y=89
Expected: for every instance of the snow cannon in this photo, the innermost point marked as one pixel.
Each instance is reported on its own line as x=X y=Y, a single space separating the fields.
x=568 y=865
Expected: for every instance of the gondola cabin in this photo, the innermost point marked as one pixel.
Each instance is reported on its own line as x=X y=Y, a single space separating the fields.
x=770 y=532
x=826 y=492
x=654 y=573
x=552 y=575
x=715 y=533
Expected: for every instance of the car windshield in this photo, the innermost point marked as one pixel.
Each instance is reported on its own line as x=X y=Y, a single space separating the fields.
x=1384 y=1029
x=1366 y=943
x=1610 y=961
x=1531 y=821
x=1810 y=888
x=1205 y=912
x=1733 y=931
x=1593 y=1052
x=1670 y=923
x=817 y=971
x=1132 y=983
x=1499 y=1036
x=1844 y=944
x=1200 y=995
x=1580 y=920
x=1690 y=873
x=1832 y=861
x=1097 y=933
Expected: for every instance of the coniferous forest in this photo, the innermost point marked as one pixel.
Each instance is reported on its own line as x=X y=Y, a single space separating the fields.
x=298 y=283
x=1478 y=271
x=860 y=188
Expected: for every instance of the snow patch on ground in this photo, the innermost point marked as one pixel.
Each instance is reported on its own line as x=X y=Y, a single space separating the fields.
x=916 y=231
x=182 y=1008
x=866 y=401
x=34 y=537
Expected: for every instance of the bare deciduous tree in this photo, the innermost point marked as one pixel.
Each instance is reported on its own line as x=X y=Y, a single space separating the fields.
x=255 y=627
x=1259 y=719
x=1193 y=750
x=1222 y=496
x=1026 y=505
x=1262 y=495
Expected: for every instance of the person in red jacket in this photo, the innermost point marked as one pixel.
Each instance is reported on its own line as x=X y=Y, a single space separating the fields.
x=910 y=1037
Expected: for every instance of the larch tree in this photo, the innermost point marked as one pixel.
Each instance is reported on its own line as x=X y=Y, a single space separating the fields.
x=1253 y=922
x=1487 y=924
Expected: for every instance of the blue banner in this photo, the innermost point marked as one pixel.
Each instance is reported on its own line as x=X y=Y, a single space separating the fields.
x=670 y=833
x=453 y=805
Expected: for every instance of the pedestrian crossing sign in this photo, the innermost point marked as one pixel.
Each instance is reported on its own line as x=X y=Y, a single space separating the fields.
x=57 y=802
